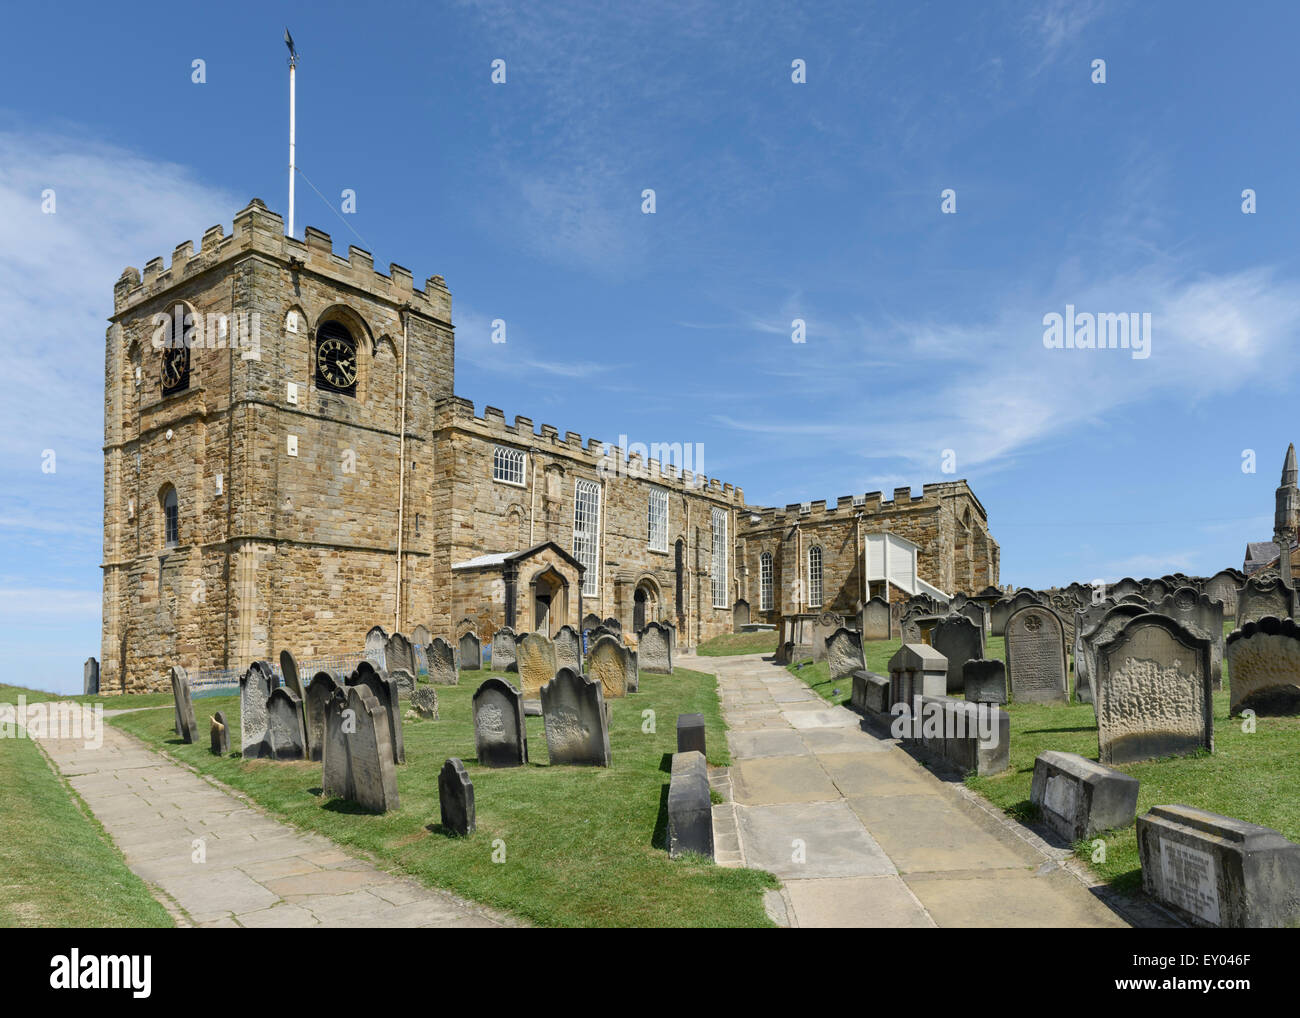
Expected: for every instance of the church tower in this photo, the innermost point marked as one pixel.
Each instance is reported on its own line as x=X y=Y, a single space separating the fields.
x=1286 y=517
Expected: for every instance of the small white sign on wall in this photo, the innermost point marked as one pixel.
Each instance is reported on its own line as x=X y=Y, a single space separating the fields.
x=291 y=393
x=292 y=445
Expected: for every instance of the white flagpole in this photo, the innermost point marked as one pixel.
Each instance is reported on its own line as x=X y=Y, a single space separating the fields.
x=293 y=65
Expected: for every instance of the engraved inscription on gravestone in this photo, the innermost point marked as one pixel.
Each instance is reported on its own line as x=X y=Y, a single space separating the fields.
x=1189 y=879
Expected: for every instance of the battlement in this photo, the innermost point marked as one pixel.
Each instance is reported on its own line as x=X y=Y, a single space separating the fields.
x=257 y=229
x=456 y=412
x=846 y=507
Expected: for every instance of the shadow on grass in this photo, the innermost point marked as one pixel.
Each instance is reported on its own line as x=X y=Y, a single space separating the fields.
x=666 y=763
x=442 y=831
x=348 y=806
x=659 y=839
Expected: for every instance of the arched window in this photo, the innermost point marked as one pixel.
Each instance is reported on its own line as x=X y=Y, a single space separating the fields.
x=508 y=465
x=718 y=573
x=336 y=359
x=171 y=518
x=815 y=576
x=765 y=582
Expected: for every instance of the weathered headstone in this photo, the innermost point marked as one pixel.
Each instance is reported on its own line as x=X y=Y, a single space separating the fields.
x=424 y=701
x=471 y=653
x=568 y=649
x=984 y=681
x=1078 y=798
x=870 y=693
x=825 y=624
x=1223 y=586
x=607 y=664
x=536 y=663
x=399 y=655
x=1219 y=871
x=739 y=615
x=90 y=677
x=289 y=669
x=284 y=728
x=405 y=682
x=1035 y=644
x=186 y=727
x=613 y=625
x=1124 y=588
x=1153 y=694
x=974 y=611
x=874 y=620
x=420 y=636
x=1264 y=666
x=442 y=663
x=376 y=645
x=358 y=764
x=916 y=669
x=844 y=653
x=959 y=640
x=633 y=671
x=254 y=690
x=319 y=691
x=1100 y=623
x=1259 y=597
x=577 y=724
x=690 y=806
x=590 y=621
x=219 y=734
x=384 y=689
x=654 y=649
x=1203 y=616
x=500 y=735
x=503 y=650
x=690 y=733
x=1001 y=610
x=456 y=799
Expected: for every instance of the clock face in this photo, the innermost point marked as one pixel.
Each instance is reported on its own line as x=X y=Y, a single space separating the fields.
x=175 y=369
x=336 y=363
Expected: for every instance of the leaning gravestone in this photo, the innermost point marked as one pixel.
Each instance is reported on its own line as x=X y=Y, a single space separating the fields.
x=959 y=639
x=289 y=670
x=503 y=650
x=1264 y=665
x=90 y=677
x=376 y=643
x=577 y=725
x=284 y=728
x=874 y=620
x=456 y=799
x=654 y=649
x=985 y=681
x=1153 y=695
x=405 y=681
x=219 y=734
x=1219 y=871
x=399 y=655
x=1078 y=798
x=607 y=664
x=254 y=690
x=1035 y=644
x=1260 y=597
x=1112 y=619
x=384 y=689
x=186 y=727
x=471 y=653
x=844 y=653
x=825 y=624
x=358 y=764
x=500 y=734
x=536 y=663
x=424 y=701
x=319 y=691
x=442 y=663
x=568 y=648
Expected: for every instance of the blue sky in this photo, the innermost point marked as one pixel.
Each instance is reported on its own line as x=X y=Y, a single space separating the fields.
x=774 y=200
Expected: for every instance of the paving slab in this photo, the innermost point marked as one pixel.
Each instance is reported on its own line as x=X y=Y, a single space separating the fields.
x=809 y=840
x=884 y=902
x=781 y=779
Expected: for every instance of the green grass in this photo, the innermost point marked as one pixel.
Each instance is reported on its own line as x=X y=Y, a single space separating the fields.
x=762 y=642
x=10 y=694
x=584 y=846
x=57 y=866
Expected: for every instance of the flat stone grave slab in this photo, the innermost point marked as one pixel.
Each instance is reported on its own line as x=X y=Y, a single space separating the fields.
x=835 y=844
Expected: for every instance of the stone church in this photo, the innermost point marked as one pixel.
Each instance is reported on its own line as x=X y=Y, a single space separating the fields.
x=286 y=465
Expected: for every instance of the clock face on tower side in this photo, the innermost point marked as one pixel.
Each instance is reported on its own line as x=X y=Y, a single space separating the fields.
x=175 y=369
x=336 y=360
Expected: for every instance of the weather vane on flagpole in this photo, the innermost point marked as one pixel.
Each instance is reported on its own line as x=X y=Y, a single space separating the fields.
x=293 y=64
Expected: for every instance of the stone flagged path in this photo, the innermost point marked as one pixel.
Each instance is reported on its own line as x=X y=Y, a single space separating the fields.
x=885 y=843
x=259 y=872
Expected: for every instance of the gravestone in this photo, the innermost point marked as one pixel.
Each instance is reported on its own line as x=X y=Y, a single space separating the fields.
x=823 y=626
x=284 y=728
x=1078 y=798
x=90 y=677
x=568 y=649
x=1124 y=588
x=399 y=655
x=1153 y=694
x=500 y=735
x=384 y=689
x=1259 y=597
x=219 y=734
x=421 y=637
x=974 y=611
x=1001 y=610
x=1110 y=620
x=654 y=649
x=603 y=630
x=442 y=663
x=376 y=644
x=739 y=615
x=633 y=672
x=536 y=662
x=1035 y=644
x=844 y=653
x=424 y=701
x=959 y=640
x=614 y=626
x=1223 y=586
x=319 y=691
x=358 y=765
x=1264 y=665
x=503 y=650
x=1218 y=871
x=577 y=723
x=1203 y=616
x=456 y=799
x=471 y=653
x=916 y=669
x=870 y=693
x=289 y=671
x=405 y=682
x=186 y=727
x=607 y=664
x=690 y=806
x=590 y=622
x=421 y=657
x=690 y=733
x=984 y=681
x=874 y=620
x=254 y=690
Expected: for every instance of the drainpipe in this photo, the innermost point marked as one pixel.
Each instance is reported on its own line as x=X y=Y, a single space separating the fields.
x=532 y=498
x=405 y=314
